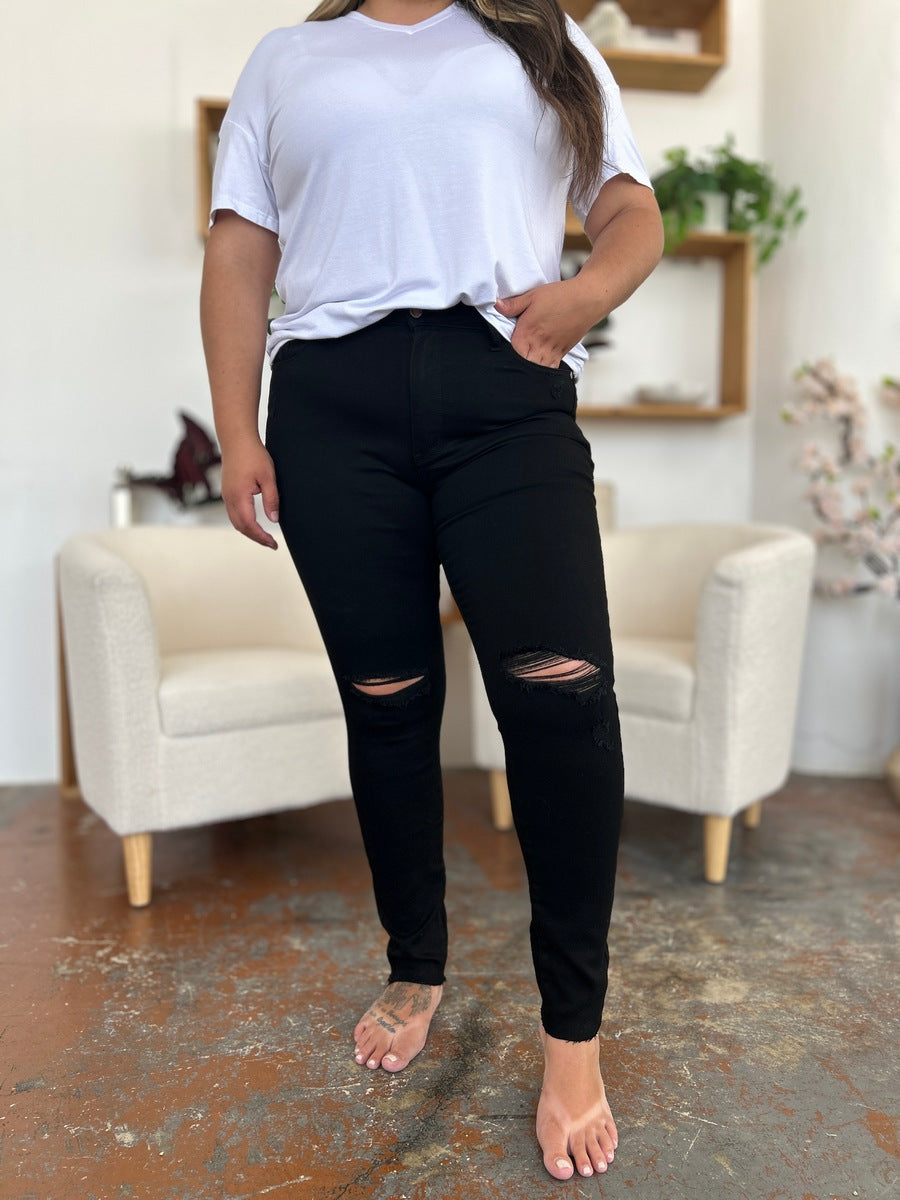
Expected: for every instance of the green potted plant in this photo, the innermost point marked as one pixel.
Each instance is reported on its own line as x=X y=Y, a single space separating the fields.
x=754 y=203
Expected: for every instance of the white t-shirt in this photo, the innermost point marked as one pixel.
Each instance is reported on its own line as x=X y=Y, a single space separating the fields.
x=403 y=166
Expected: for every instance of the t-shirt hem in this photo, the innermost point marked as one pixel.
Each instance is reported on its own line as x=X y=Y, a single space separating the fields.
x=267 y=220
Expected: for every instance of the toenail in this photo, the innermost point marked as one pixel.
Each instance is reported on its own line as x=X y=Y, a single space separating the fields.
x=601 y=1166
x=610 y=1156
x=371 y=1063
x=586 y=1170
x=391 y=1058
x=359 y=1058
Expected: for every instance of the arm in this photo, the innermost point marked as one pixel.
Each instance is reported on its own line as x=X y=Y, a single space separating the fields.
x=238 y=275
x=625 y=230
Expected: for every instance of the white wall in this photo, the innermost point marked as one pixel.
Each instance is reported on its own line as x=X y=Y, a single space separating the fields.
x=101 y=271
x=831 y=122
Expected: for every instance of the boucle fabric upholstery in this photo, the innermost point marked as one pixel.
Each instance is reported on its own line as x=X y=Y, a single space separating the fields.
x=708 y=625
x=199 y=686
x=212 y=691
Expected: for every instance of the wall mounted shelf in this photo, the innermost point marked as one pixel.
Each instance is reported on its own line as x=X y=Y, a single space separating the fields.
x=735 y=251
x=209 y=121
x=667 y=72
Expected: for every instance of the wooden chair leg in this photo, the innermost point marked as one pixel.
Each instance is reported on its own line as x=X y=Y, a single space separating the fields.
x=716 y=842
x=752 y=816
x=138 y=853
x=68 y=775
x=500 y=805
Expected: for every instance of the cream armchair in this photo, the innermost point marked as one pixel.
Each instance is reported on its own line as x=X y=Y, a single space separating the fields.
x=198 y=685
x=708 y=624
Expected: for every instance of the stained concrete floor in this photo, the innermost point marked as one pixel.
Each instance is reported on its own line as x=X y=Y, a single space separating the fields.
x=201 y=1048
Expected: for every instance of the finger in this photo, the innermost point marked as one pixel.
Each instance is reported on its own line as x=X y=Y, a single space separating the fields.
x=242 y=515
x=512 y=306
x=269 y=493
x=534 y=353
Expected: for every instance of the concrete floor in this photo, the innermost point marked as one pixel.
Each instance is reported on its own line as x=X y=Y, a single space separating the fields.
x=201 y=1048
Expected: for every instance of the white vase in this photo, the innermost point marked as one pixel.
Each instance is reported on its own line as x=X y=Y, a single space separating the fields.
x=848 y=714
x=715 y=212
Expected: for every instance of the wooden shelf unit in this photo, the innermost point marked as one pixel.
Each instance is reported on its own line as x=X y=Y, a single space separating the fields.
x=735 y=251
x=209 y=122
x=668 y=72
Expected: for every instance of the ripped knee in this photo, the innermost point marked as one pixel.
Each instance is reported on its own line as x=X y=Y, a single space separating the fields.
x=385 y=687
x=587 y=681
x=392 y=689
x=576 y=676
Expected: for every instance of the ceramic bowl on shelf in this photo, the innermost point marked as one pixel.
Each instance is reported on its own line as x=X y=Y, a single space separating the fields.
x=671 y=393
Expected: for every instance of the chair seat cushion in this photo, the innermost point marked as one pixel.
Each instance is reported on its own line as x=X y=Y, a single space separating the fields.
x=655 y=676
x=215 y=690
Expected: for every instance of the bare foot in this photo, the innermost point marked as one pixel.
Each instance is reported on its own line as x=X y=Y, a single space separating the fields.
x=574 y=1124
x=394 y=1029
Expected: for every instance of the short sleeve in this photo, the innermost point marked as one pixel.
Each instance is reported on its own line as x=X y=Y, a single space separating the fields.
x=620 y=153
x=241 y=175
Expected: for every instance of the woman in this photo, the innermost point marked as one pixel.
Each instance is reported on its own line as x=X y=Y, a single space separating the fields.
x=400 y=169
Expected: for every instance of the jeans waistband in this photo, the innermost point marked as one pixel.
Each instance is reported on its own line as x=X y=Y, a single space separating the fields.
x=460 y=314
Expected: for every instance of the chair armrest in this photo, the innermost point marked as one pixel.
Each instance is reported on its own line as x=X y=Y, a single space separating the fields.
x=112 y=662
x=749 y=641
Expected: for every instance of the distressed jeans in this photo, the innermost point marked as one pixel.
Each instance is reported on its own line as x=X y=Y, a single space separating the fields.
x=426 y=439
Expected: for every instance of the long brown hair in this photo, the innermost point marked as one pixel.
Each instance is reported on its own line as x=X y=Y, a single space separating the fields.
x=558 y=71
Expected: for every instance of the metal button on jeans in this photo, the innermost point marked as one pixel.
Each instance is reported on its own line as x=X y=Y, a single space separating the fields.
x=415 y=312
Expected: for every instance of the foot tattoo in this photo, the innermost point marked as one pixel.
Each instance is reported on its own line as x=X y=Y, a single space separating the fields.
x=394 y=1029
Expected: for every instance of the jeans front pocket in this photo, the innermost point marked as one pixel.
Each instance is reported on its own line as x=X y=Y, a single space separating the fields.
x=561 y=369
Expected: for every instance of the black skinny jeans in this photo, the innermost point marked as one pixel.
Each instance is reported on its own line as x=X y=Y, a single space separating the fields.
x=425 y=438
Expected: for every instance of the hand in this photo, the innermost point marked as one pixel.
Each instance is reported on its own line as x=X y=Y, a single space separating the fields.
x=550 y=319
x=247 y=470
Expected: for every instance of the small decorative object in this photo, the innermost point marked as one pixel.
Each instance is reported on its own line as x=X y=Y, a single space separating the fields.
x=191 y=481
x=654 y=39
x=120 y=500
x=671 y=393
x=754 y=203
x=607 y=24
x=854 y=493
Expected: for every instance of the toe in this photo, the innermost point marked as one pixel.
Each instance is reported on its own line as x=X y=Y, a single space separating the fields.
x=403 y=1048
x=607 y=1139
x=559 y=1165
x=597 y=1154
x=365 y=1047
x=580 y=1155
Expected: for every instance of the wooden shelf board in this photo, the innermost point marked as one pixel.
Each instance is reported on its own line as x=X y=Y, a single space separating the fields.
x=664 y=412
x=696 y=245
x=712 y=245
x=663 y=72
